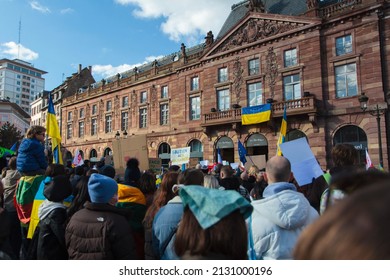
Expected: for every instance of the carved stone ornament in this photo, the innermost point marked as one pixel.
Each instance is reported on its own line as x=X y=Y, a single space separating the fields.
x=238 y=80
x=134 y=102
x=256 y=29
x=256 y=6
x=153 y=97
x=272 y=71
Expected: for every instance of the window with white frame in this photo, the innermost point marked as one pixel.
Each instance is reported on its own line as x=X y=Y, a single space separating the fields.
x=195 y=108
x=346 y=80
x=125 y=101
x=94 y=126
x=290 y=58
x=222 y=75
x=164 y=92
x=143 y=97
x=109 y=105
x=108 y=124
x=223 y=99
x=194 y=83
x=143 y=117
x=81 y=129
x=254 y=66
x=343 y=45
x=69 y=131
x=164 y=114
x=94 y=109
x=292 y=87
x=255 y=94
x=124 y=120
x=82 y=113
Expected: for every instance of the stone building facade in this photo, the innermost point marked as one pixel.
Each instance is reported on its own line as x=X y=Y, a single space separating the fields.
x=315 y=58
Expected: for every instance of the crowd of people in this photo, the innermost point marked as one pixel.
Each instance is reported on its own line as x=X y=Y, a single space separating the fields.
x=50 y=211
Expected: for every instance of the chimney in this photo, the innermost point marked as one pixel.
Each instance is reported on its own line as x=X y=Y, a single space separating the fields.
x=79 y=68
x=90 y=69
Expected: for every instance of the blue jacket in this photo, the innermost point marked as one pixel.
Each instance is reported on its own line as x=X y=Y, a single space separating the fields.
x=165 y=223
x=31 y=156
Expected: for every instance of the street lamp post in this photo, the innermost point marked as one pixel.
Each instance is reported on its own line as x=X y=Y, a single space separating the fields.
x=376 y=112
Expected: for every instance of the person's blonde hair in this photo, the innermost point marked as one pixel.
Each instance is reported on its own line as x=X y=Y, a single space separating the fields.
x=210 y=182
x=253 y=170
x=33 y=130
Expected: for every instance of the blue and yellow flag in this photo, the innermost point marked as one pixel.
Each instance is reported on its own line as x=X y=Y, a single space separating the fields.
x=53 y=132
x=256 y=114
x=283 y=131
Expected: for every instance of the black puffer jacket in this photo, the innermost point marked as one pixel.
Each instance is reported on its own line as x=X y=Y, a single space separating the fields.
x=51 y=242
x=99 y=232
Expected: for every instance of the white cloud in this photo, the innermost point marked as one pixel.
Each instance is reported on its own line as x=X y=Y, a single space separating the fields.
x=66 y=11
x=109 y=70
x=36 y=6
x=12 y=50
x=184 y=19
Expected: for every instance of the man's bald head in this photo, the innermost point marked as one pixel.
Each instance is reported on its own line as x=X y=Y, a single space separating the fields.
x=278 y=169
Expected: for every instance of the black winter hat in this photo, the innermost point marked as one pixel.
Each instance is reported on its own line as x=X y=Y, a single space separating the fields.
x=58 y=188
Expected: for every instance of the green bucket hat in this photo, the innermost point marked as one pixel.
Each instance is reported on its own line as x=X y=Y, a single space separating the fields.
x=209 y=206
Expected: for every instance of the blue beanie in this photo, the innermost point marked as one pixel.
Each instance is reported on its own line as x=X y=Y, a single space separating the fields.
x=101 y=188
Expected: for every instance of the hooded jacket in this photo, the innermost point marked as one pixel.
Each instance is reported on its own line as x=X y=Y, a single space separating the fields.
x=51 y=242
x=278 y=219
x=31 y=156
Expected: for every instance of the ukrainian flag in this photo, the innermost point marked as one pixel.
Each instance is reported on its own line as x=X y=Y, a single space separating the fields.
x=256 y=114
x=53 y=132
x=283 y=132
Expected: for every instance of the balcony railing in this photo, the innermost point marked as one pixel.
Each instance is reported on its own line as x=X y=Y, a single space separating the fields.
x=331 y=10
x=301 y=106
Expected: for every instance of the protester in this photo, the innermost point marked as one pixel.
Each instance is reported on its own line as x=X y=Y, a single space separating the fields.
x=81 y=196
x=213 y=225
x=132 y=172
x=259 y=185
x=147 y=184
x=100 y=230
x=211 y=182
x=344 y=157
x=52 y=215
x=230 y=182
x=355 y=228
x=168 y=217
x=31 y=159
x=278 y=218
x=10 y=181
x=161 y=198
x=6 y=252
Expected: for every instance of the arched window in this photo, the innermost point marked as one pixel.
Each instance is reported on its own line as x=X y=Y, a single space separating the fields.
x=164 y=152
x=196 y=149
x=257 y=144
x=107 y=152
x=354 y=135
x=295 y=134
x=226 y=149
x=93 y=153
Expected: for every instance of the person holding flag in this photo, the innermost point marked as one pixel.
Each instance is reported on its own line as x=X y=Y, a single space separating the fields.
x=283 y=132
x=53 y=132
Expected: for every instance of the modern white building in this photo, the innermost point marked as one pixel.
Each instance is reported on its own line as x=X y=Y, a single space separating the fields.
x=20 y=82
x=12 y=113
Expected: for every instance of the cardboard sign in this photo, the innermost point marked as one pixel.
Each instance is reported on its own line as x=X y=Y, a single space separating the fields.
x=180 y=156
x=155 y=165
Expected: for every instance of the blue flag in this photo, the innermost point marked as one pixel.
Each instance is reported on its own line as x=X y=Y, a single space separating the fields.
x=241 y=152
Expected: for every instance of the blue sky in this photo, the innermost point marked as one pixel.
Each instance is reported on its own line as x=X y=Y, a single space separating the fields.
x=110 y=35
